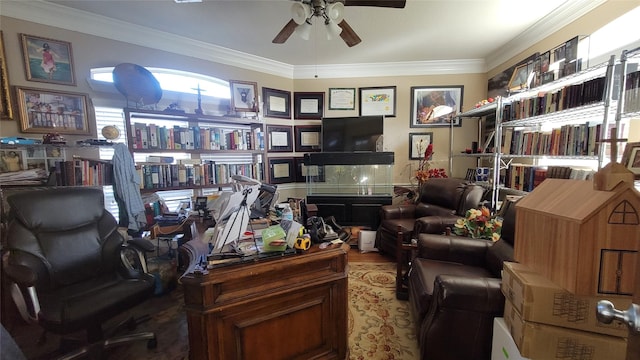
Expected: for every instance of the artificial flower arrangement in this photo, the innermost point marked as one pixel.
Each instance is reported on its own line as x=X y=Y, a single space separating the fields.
x=425 y=171
x=479 y=224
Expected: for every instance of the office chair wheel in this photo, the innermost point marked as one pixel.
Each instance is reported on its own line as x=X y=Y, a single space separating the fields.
x=152 y=343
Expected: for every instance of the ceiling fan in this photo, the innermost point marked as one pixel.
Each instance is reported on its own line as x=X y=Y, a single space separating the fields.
x=331 y=12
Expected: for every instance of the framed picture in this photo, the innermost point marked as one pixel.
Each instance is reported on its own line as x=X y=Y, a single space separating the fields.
x=307 y=138
x=243 y=95
x=277 y=103
x=378 y=101
x=631 y=158
x=11 y=160
x=342 y=98
x=6 y=110
x=308 y=105
x=418 y=143
x=47 y=60
x=279 y=138
x=281 y=170
x=45 y=111
x=303 y=171
x=436 y=105
x=521 y=78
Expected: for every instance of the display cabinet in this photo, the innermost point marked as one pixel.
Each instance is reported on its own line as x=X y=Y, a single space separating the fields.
x=350 y=186
x=174 y=150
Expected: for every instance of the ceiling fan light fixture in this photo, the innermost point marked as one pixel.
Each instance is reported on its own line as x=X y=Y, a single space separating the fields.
x=335 y=11
x=333 y=30
x=304 y=30
x=300 y=12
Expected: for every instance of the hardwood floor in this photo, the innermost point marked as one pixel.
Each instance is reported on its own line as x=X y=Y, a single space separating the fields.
x=373 y=256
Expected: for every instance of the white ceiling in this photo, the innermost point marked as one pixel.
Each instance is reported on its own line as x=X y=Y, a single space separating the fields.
x=489 y=31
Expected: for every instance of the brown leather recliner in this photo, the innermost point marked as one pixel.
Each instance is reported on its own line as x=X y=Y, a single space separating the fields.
x=441 y=202
x=454 y=292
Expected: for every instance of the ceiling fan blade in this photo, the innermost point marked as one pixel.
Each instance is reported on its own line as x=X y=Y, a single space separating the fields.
x=398 y=4
x=286 y=31
x=348 y=35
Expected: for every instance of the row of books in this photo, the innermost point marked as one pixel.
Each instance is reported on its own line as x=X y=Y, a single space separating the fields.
x=157 y=176
x=567 y=140
x=526 y=177
x=85 y=172
x=152 y=136
x=632 y=92
x=589 y=92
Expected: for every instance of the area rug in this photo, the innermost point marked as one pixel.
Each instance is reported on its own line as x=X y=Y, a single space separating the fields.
x=380 y=326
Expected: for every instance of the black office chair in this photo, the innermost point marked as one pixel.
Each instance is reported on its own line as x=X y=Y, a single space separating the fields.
x=66 y=264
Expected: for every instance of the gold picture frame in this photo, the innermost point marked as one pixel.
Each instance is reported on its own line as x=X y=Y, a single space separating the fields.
x=50 y=111
x=48 y=60
x=6 y=105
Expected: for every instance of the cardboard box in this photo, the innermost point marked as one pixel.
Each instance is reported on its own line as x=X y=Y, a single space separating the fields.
x=367 y=241
x=541 y=341
x=540 y=300
x=502 y=345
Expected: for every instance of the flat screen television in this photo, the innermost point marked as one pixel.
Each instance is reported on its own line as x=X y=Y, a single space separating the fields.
x=349 y=134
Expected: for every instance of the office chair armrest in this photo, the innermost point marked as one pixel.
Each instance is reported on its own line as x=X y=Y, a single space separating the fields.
x=134 y=257
x=21 y=274
x=22 y=289
x=142 y=245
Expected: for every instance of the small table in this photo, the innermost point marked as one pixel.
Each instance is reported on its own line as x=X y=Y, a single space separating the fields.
x=404 y=255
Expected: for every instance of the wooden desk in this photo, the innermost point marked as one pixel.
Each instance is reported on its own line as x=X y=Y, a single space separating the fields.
x=292 y=307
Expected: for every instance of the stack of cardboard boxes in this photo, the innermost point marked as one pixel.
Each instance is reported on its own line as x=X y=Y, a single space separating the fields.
x=575 y=245
x=549 y=322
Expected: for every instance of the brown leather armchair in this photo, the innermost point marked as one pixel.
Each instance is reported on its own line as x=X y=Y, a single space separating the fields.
x=66 y=264
x=454 y=292
x=441 y=202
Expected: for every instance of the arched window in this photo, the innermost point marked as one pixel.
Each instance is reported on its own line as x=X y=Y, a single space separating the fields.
x=176 y=81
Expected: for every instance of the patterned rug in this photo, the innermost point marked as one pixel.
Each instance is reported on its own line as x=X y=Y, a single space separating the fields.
x=380 y=327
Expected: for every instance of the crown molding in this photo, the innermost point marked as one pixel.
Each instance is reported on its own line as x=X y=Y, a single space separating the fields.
x=563 y=15
x=406 y=68
x=84 y=22
x=55 y=15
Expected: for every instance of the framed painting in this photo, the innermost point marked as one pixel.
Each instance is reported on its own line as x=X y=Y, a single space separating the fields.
x=243 y=95
x=47 y=60
x=279 y=138
x=436 y=105
x=342 y=98
x=631 y=158
x=418 y=143
x=521 y=78
x=6 y=105
x=12 y=160
x=50 y=111
x=378 y=101
x=308 y=105
x=277 y=103
x=281 y=170
x=307 y=138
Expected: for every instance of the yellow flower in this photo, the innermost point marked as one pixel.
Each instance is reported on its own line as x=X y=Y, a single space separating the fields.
x=495 y=237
